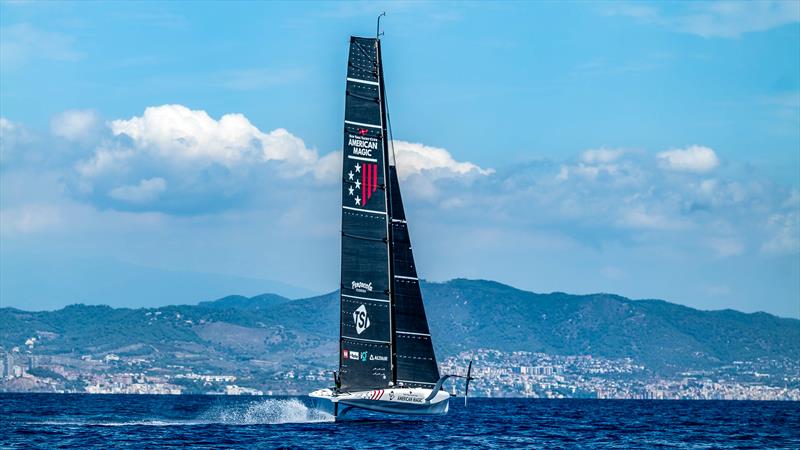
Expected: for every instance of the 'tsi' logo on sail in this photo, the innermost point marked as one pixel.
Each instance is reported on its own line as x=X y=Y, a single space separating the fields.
x=361 y=319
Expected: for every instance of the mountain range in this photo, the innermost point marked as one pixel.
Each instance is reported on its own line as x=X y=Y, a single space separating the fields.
x=269 y=332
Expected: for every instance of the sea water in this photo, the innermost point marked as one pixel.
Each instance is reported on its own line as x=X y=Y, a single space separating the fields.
x=141 y=421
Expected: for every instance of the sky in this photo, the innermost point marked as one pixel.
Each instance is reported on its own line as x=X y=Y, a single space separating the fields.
x=171 y=152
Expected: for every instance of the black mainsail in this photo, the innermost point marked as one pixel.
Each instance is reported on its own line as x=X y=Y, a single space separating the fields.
x=384 y=335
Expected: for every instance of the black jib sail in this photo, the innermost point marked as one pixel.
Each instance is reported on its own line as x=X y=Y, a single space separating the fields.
x=384 y=336
x=416 y=362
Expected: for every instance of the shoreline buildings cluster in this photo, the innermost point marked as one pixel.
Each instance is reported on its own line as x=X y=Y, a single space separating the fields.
x=498 y=374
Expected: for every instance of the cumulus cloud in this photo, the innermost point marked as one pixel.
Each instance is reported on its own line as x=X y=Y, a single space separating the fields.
x=178 y=161
x=145 y=191
x=179 y=134
x=75 y=124
x=598 y=162
x=694 y=158
x=205 y=162
x=415 y=158
x=221 y=161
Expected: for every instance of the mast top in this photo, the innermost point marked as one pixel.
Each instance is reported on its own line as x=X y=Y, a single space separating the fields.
x=379 y=32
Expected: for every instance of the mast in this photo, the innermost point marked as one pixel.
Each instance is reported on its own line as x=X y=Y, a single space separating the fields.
x=385 y=133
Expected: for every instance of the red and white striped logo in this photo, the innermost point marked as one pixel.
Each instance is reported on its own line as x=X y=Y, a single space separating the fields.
x=361 y=190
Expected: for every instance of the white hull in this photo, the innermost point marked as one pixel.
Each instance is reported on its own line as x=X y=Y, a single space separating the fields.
x=392 y=401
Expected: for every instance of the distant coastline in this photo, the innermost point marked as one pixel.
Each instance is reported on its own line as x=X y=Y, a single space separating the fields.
x=527 y=345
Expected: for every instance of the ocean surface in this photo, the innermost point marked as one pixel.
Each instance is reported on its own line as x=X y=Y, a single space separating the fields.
x=142 y=421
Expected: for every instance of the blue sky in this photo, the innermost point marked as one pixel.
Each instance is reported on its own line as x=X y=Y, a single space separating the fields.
x=646 y=149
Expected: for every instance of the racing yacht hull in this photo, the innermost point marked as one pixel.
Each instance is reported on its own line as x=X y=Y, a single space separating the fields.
x=392 y=401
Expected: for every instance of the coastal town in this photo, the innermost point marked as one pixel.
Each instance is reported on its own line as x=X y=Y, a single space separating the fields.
x=497 y=373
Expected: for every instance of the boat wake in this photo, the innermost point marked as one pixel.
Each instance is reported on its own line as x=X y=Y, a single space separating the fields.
x=266 y=412
x=260 y=412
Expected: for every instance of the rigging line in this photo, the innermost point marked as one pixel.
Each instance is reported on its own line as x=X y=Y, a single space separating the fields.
x=389 y=123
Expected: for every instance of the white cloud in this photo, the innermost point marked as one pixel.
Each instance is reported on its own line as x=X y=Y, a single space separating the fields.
x=784 y=230
x=726 y=246
x=593 y=163
x=12 y=136
x=22 y=42
x=194 y=153
x=205 y=161
x=144 y=192
x=29 y=218
x=414 y=158
x=641 y=218
x=75 y=124
x=695 y=158
x=601 y=155
x=179 y=134
x=733 y=18
x=722 y=19
x=8 y=137
x=328 y=167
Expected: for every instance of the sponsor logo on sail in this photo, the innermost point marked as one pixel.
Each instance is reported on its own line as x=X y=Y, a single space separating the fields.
x=364 y=356
x=378 y=358
x=362 y=190
x=360 y=286
x=354 y=355
x=361 y=319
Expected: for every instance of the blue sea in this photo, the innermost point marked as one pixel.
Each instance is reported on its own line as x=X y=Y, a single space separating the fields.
x=143 y=421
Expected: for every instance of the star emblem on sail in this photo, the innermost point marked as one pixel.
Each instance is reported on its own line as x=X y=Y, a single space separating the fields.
x=366 y=186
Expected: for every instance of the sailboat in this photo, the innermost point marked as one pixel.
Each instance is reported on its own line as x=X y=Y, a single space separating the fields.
x=386 y=357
